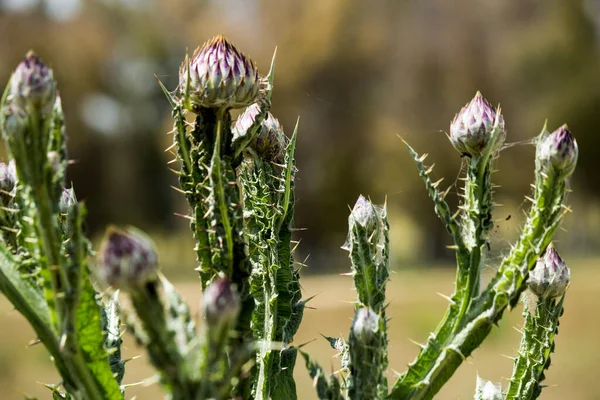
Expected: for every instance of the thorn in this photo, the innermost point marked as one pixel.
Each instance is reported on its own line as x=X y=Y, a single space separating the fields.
x=446 y=297
x=178 y=189
x=172 y=161
x=188 y=217
x=421 y=346
x=171 y=147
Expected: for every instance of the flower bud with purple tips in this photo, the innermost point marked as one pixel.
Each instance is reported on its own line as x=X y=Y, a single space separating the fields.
x=477 y=127
x=221 y=303
x=127 y=259
x=550 y=276
x=218 y=75
x=558 y=150
x=32 y=86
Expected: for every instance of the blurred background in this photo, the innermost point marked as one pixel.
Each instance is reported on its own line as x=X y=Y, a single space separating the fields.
x=358 y=74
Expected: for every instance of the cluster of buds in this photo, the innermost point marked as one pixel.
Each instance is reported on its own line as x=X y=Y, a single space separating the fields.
x=550 y=276
x=218 y=76
x=127 y=259
x=477 y=128
x=558 y=150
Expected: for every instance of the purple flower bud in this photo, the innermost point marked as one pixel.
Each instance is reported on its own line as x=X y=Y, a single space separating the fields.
x=476 y=127
x=127 y=259
x=221 y=303
x=550 y=276
x=366 y=324
x=219 y=76
x=32 y=86
x=270 y=140
x=558 y=150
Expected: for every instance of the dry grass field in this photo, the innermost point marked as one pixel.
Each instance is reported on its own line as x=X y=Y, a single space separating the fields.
x=415 y=309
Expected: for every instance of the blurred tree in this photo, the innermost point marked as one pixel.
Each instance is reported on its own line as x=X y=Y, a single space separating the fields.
x=358 y=74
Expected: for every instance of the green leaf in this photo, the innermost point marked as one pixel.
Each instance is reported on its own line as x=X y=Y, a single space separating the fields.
x=88 y=317
x=22 y=292
x=325 y=390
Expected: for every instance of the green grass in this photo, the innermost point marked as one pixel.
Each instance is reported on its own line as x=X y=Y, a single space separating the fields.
x=414 y=309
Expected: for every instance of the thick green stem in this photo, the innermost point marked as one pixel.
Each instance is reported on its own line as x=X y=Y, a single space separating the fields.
x=161 y=343
x=443 y=353
x=477 y=222
x=537 y=343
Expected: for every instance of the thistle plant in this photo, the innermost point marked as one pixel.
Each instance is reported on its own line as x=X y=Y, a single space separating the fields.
x=238 y=179
x=478 y=133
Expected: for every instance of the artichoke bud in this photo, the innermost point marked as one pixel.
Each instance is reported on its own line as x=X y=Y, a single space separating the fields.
x=477 y=128
x=218 y=76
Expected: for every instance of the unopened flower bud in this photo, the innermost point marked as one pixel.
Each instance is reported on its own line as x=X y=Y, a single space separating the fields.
x=558 y=150
x=486 y=390
x=550 y=276
x=221 y=303
x=219 y=76
x=270 y=140
x=67 y=200
x=476 y=127
x=32 y=86
x=8 y=177
x=366 y=324
x=127 y=259
x=365 y=214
